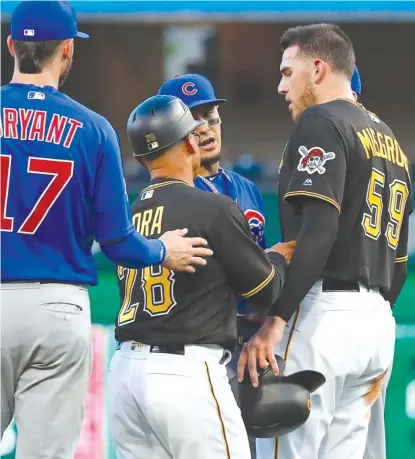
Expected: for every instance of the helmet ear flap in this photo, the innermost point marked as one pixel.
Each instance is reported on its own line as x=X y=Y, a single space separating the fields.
x=280 y=404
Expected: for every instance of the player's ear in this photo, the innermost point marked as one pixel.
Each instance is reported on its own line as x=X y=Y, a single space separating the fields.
x=67 y=49
x=192 y=143
x=10 y=46
x=319 y=70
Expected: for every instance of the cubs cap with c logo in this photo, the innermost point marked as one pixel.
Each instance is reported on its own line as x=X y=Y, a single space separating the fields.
x=193 y=89
x=44 y=20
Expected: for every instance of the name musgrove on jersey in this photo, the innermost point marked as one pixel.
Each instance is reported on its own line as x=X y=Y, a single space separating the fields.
x=381 y=145
x=29 y=124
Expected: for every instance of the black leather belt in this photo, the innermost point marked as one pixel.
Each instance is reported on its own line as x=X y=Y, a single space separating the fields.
x=177 y=349
x=336 y=285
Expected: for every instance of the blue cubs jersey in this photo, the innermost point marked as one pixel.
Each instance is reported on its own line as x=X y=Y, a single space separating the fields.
x=249 y=199
x=62 y=186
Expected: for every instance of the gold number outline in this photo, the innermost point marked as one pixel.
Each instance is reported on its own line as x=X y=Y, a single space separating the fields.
x=375 y=204
x=128 y=311
x=397 y=188
x=397 y=203
x=151 y=279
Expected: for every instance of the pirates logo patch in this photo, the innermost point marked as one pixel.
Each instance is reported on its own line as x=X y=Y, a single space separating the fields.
x=313 y=159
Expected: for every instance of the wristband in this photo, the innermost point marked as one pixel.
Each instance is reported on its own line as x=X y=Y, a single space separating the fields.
x=163 y=252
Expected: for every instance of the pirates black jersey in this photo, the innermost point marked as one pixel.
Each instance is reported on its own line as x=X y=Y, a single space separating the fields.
x=159 y=306
x=345 y=155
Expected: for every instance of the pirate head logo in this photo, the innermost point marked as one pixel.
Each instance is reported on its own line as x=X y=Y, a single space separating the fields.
x=313 y=160
x=256 y=223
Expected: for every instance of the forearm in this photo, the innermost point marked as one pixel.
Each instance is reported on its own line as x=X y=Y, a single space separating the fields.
x=314 y=243
x=399 y=277
x=136 y=251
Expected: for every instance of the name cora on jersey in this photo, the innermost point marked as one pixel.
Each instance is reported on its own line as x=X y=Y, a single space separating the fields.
x=256 y=223
x=28 y=124
x=313 y=159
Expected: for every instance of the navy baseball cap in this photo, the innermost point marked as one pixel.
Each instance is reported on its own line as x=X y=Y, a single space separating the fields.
x=43 y=20
x=192 y=89
x=356 y=84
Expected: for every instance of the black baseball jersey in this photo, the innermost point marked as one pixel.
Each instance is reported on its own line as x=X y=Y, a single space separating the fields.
x=159 y=306
x=345 y=155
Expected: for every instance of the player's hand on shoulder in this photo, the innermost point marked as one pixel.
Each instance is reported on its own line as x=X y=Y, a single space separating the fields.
x=286 y=249
x=184 y=253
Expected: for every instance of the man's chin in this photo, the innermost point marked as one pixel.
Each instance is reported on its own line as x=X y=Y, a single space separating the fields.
x=295 y=114
x=210 y=159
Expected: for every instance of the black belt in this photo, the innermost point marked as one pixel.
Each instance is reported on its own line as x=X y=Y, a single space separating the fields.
x=330 y=284
x=176 y=349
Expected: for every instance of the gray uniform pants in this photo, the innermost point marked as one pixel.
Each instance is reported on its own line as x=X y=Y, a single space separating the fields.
x=45 y=366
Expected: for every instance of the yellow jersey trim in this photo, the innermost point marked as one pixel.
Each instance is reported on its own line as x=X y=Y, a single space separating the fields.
x=262 y=285
x=314 y=195
x=401 y=259
x=159 y=185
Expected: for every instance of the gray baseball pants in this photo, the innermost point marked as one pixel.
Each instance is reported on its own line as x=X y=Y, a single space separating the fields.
x=45 y=366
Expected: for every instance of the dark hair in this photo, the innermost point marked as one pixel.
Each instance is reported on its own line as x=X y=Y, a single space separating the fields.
x=323 y=41
x=33 y=56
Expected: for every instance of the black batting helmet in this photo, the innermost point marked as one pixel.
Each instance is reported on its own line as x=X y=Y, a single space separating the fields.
x=280 y=404
x=158 y=123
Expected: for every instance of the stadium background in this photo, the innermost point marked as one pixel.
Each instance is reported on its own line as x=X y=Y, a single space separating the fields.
x=134 y=46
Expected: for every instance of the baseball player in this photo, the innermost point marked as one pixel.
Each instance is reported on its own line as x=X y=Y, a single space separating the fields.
x=61 y=188
x=197 y=92
x=169 y=392
x=345 y=196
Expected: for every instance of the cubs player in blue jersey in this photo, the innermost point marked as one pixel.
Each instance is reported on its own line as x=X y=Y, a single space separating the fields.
x=61 y=187
x=197 y=92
